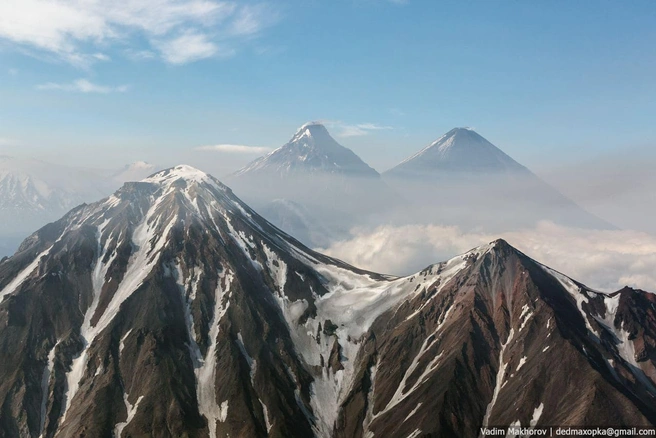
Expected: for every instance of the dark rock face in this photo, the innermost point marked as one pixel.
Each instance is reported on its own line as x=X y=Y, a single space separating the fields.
x=171 y=309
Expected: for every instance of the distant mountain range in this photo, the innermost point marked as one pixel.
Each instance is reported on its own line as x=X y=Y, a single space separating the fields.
x=34 y=192
x=172 y=309
x=460 y=179
x=318 y=190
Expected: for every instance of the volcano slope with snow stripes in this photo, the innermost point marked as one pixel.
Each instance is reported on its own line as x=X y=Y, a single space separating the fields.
x=172 y=309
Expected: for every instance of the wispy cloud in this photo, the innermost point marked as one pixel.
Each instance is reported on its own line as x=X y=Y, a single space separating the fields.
x=234 y=149
x=101 y=57
x=13 y=72
x=140 y=55
x=68 y=28
x=188 y=48
x=354 y=130
x=83 y=86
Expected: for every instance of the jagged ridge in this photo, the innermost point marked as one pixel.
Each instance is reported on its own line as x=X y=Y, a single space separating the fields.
x=171 y=309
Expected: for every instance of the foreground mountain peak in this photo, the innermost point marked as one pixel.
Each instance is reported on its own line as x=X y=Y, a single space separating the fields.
x=181 y=172
x=172 y=309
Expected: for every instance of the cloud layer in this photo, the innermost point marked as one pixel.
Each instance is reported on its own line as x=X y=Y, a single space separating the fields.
x=83 y=86
x=606 y=260
x=353 y=130
x=178 y=30
x=234 y=149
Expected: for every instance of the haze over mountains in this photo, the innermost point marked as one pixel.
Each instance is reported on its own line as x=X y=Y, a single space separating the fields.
x=335 y=188
x=34 y=192
x=172 y=308
x=460 y=150
x=318 y=190
x=460 y=179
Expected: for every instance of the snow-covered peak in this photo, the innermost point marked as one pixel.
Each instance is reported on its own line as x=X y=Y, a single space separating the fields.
x=311 y=149
x=459 y=150
x=181 y=172
x=311 y=130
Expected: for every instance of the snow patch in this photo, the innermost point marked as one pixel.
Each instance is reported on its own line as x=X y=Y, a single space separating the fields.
x=267 y=421
x=131 y=410
x=45 y=384
x=414 y=411
x=499 y=380
x=537 y=413
x=206 y=373
x=224 y=411
x=23 y=275
x=521 y=363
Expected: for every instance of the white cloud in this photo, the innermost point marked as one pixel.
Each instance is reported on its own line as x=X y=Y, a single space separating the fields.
x=83 y=86
x=67 y=28
x=101 y=57
x=607 y=260
x=187 y=48
x=353 y=130
x=250 y=21
x=140 y=55
x=234 y=149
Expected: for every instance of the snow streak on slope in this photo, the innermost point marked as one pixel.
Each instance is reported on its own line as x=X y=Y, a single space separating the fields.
x=499 y=379
x=45 y=383
x=131 y=410
x=352 y=304
x=22 y=276
x=206 y=373
x=139 y=266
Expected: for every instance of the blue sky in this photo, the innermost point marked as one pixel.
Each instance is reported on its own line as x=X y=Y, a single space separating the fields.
x=551 y=83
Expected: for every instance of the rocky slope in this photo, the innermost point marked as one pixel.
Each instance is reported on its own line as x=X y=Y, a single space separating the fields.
x=172 y=309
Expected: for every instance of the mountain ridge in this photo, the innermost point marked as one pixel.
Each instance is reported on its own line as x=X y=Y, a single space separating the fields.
x=171 y=308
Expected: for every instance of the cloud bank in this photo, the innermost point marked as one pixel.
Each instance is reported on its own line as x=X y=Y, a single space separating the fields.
x=179 y=31
x=605 y=260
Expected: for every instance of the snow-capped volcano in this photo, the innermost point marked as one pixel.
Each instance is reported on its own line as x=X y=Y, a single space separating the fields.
x=463 y=179
x=172 y=309
x=459 y=150
x=311 y=149
x=325 y=179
